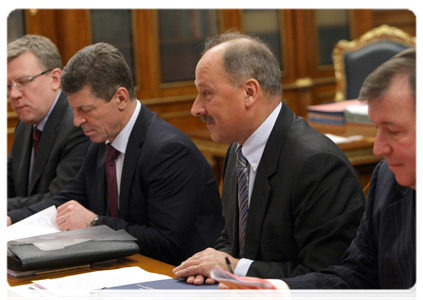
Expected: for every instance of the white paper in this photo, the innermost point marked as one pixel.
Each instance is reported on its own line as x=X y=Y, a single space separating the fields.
x=82 y=284
x=23 y=291
x=341 y=139
x=43 y=222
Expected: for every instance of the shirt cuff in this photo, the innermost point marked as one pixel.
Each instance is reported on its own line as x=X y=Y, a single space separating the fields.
x=243 y=266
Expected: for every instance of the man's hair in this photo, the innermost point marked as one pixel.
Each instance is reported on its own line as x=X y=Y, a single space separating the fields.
x=42 y=47
x=378 y=82
x=100 y=66
x=248 y=57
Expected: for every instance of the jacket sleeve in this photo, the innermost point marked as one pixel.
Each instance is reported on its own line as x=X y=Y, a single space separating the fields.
x=357 y=277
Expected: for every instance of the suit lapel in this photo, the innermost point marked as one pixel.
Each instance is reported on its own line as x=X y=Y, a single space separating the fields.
x=261 y=191
x=23 y=168
x=47 y=139
x=132 y=153
x=230 y=194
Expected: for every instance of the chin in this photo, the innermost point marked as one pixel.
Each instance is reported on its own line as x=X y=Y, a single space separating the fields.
x=215 y=139
x=405 y=181
x=96 y=140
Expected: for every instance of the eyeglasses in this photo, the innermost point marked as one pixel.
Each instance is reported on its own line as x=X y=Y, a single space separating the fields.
x=22 y=84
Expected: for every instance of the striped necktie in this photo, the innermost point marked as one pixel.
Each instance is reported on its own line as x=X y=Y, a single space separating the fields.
x=242 y=169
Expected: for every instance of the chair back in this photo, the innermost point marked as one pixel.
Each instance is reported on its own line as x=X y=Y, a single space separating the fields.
x=355 y=60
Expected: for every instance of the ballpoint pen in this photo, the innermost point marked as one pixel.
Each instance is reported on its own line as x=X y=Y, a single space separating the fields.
x=228 y=263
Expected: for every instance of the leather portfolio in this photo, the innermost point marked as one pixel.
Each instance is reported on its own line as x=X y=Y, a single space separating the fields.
x=70 y=248
x=27 y=257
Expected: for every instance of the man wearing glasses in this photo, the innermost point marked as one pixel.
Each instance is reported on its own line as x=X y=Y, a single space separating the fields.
x=47 y=148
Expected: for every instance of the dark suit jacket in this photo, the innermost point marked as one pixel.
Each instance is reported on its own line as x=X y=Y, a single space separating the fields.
x=169 y=198
x=383 y=255
x=305 y=207
x=60 y=155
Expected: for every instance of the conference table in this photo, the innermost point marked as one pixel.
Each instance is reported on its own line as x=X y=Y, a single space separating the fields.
x=144 y=262
x=358 y=151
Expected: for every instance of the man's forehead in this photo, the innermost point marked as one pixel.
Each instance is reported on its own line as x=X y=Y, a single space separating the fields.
x=25 y=62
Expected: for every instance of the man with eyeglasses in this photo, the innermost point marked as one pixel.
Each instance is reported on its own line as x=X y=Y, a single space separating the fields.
x=47 y=148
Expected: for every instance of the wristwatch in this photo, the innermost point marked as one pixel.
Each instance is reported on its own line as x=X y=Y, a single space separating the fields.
x=93 y=221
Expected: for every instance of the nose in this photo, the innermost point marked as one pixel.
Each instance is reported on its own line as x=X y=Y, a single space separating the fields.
x=381 y=145
x=197 y=108
x=78 y=119
x=13 y=92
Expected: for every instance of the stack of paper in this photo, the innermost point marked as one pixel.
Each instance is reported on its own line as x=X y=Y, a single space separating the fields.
x=81 y=285
x=358 y=115
x=330 y=113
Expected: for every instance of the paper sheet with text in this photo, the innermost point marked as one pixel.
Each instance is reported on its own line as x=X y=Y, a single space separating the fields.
x=43 y=222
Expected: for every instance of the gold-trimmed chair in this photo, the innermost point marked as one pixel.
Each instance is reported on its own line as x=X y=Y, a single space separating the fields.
x=354 y=60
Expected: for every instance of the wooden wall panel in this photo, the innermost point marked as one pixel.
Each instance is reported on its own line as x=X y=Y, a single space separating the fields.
x=400 y=18
x=73 y=31
x=42 y=22
x=304 y=82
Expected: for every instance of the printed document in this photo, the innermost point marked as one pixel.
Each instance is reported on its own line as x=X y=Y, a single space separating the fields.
x=83 y=284
x=43 y=222
x=79 y=286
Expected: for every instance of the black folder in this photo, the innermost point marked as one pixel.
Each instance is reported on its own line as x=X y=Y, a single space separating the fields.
x=69 y=248
x=165 y=289
x=27 y=257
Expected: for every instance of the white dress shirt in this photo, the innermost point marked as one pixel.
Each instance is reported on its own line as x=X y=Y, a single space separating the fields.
x=120 y=143
x=252 y=150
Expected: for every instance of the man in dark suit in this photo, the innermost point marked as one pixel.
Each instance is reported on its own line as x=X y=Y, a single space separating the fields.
x=383 y=262
x=34 y=67
x=304 y=200
x=164 y=192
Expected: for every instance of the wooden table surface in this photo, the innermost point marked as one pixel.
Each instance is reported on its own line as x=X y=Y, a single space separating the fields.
x=146 y=263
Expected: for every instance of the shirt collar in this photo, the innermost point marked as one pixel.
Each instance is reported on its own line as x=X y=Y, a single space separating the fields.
x=253 y=147
x=122 y=138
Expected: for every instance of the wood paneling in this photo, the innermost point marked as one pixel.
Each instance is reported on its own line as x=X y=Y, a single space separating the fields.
x=304 y=82
x=42 y=22
x=402 y=19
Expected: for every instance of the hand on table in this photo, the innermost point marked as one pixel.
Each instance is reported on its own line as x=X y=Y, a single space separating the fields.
x=197 y=268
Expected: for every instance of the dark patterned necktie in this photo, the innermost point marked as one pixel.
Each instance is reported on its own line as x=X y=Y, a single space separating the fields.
x=36 y=135
x=242 y=169
x=111 y=155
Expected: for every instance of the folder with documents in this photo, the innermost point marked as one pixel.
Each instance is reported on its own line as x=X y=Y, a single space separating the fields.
x=69 y=248
x=159 y=290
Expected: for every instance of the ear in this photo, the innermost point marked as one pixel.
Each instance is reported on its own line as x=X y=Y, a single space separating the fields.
x=251 y=88
x=122 y=95
x=55 y=78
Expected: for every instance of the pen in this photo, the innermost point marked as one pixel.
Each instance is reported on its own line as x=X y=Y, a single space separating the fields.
x=228 y=263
